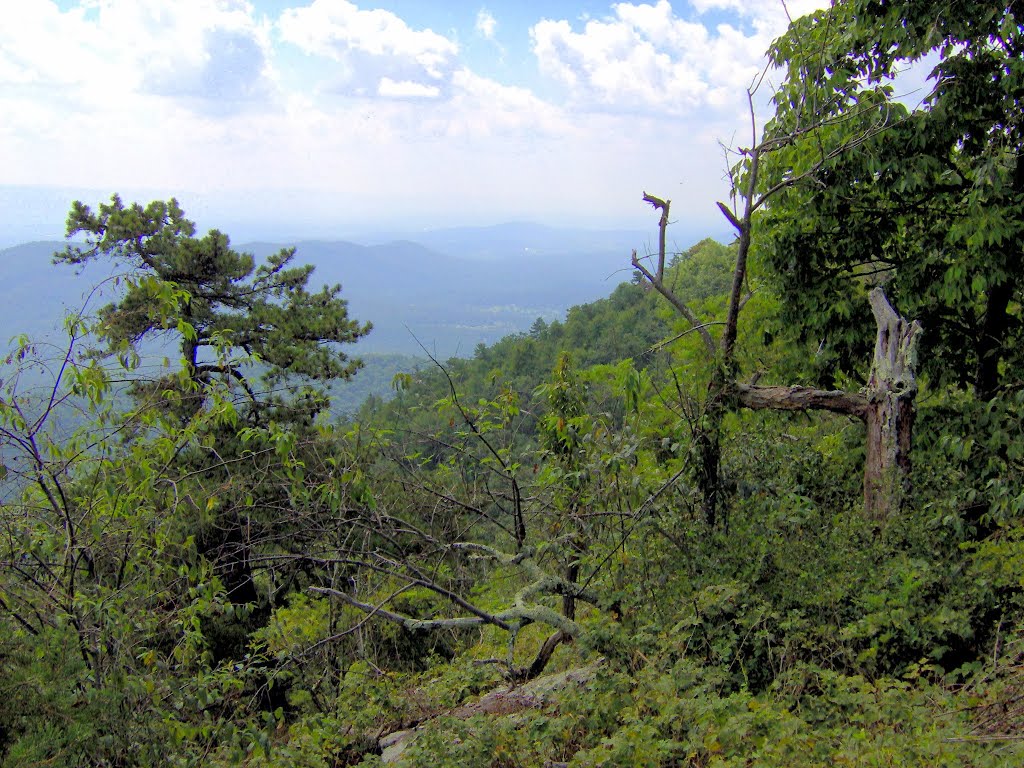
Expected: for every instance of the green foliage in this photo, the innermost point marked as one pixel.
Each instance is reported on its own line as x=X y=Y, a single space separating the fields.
x=927 y=201
x=241 y=583
x=229 y=305
x=104 y=594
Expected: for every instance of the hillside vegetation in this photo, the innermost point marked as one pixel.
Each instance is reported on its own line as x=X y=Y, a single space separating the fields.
x=762 y=505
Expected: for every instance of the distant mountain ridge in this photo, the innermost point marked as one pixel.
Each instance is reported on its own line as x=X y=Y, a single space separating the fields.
x=450 y=290
x=513 y=239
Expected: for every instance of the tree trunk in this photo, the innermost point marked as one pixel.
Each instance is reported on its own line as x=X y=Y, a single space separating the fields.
x=886 y=406
x=990 y=343
x=708 y=437
x=891 y=389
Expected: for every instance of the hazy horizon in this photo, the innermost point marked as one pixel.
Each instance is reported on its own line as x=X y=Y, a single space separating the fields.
x=33 y=214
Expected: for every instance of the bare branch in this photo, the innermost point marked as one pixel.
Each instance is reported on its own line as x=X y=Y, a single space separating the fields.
x=663 y=205
x=678 y=336
x=409 y=623
x=676 y=302
x=520 y=523
x=730 y=216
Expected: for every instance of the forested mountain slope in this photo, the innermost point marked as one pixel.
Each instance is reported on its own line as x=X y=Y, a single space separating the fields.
x=762 y=513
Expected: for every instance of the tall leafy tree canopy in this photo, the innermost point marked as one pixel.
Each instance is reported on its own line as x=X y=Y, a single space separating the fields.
x=928 y=200
x=265 y=311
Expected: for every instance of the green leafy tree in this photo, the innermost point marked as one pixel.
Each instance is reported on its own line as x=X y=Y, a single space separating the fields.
x=931 y=205
x=267 y=312
x=105 y=601
x=259 y=330
x=848 y=190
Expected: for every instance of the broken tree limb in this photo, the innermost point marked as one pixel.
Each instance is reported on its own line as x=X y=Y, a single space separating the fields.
x=510 y=619
x=663 y=205
x=408 y=622
x=799 y=398
x=542 y=582
x=525 y=608
x=730 y=216
x=894 y=367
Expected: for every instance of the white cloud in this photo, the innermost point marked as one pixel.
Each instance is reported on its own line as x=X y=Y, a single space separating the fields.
x=483 y=108
x=331 y=102
x=647 y=58
x=36 y=49
x=370 y=46
x=212 y=52
x=406 y=89
x=486 y=24
x=773 y=10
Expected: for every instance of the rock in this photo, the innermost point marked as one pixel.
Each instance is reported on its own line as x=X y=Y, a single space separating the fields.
x=501 y=702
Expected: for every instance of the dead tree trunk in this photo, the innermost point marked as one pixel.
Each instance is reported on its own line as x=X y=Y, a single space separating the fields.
x=886 y=406
x=707 y=435
x=892 y=387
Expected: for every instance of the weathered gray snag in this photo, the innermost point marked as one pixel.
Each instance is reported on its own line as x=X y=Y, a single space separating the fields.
x=891 y=389
x=886 y=406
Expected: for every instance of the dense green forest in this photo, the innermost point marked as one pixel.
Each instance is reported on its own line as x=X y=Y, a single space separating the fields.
x=763 y=505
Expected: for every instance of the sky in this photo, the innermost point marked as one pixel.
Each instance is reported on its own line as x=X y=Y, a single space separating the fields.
x=303 y=118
